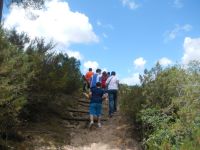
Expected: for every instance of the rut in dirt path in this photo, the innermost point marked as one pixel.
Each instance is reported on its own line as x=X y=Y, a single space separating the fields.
x=115 y=134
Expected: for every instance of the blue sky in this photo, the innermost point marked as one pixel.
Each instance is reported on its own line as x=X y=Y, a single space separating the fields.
x=121 y=35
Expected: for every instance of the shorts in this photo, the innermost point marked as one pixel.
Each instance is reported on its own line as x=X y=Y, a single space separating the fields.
x=95 y=109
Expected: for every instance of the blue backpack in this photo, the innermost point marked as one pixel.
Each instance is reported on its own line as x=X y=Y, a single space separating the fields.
x=93 y=80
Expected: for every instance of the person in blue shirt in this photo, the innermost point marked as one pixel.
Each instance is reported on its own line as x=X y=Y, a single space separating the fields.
x=96 y=95
x=95 y=78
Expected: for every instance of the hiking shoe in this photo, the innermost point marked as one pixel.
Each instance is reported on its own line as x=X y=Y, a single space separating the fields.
x=91 y=124
x=99 y=125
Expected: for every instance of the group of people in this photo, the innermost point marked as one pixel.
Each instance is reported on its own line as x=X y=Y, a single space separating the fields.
x=101 y=86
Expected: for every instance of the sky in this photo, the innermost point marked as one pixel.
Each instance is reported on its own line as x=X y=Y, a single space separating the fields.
x=125 y=36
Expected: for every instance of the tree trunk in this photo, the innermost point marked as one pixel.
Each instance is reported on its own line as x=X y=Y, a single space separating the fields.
x=1 y=9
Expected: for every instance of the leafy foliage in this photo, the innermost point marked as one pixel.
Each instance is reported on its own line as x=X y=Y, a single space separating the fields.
x=32 y=79
x=131 y=100
x=169 y=107
x=38 y=4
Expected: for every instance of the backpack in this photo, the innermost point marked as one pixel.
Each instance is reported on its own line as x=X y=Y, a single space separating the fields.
x=93 y=80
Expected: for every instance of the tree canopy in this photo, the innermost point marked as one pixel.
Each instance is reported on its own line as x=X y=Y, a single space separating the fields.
x=26 y=3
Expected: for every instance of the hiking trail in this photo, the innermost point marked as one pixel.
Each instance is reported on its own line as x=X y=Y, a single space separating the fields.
x=115 y=134
x=72 y=132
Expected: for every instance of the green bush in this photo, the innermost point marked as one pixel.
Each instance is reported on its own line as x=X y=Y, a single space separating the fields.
x=169 y=107
x=131 y=101
x=32 y=79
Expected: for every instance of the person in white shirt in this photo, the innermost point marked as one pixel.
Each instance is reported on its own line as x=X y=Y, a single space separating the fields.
x=112 y=84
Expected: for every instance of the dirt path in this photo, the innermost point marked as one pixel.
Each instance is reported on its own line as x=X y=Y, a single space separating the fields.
x=58 y=134
x=113 y=135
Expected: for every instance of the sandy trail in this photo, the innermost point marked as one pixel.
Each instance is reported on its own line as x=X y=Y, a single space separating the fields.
x=113 y=135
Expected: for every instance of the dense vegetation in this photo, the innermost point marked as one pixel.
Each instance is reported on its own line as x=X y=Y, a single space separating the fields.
x=32 y=80
x=167 y=107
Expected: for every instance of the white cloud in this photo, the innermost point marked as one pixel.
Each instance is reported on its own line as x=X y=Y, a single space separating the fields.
x=106 y=26
x=132 y=80
x=74 y=54
x=105 y=35
x=171 y=35
x=55 y=22
x=139 y=62
x=130 y=4
x=165 y=61
x=90 y=64
x=191 y=50
x=99 y=23
x=178 y=3
x=109 y=26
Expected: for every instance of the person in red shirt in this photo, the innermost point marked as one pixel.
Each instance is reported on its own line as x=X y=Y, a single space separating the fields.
x=104 y=77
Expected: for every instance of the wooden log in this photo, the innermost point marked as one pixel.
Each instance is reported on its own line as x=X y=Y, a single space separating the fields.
x=81 y=101
x=79 y=111
x=81 y=119
x=85 y=105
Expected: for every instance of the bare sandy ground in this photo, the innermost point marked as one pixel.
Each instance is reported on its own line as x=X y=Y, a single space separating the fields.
x=115 y=134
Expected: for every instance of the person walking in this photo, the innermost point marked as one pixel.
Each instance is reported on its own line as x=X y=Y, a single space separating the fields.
x=85 y=83
x=96 y=95
x=95 y=78
x=88 y=76
x=108 y=74
x=104 y=77
x=113 y=84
